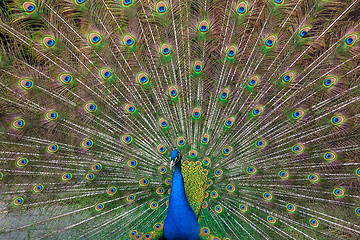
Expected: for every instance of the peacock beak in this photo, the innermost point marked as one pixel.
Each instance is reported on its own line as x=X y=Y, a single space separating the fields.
x=172 y=164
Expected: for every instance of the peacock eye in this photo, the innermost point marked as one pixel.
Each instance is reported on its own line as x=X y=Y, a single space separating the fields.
x=278 y=1
x=231 y=51
x=165 y=49
x=196 y=114
x=48 y=42
x=351 y=39
x=197 y=66
x=242 y=8
x=79 y=2
x=142 y=78
x=127 y=3
x=203 y=26
x=105 y=73
x=161 y=9
x=270 y=41
x=94 y=38
x=29 y=7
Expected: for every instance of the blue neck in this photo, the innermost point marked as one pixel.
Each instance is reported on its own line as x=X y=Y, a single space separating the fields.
x=181 y=222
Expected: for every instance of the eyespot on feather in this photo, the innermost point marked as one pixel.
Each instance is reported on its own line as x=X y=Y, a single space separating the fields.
x=267 y=196
x=161 y=7
x=253 y=81
x=66 y=176
x=231 y=51
x=193 y=153
x=230 y=188
x=80 y=2
x=26 y=83
x=163 y=123
x=242 y=8
x=224 y=94
x=48 y=42
x=339 y=192
x=105 y=73
x=142 y=78
x=52 y=148
x=288 y=77
x=204 y=232
x=18 y=123
x=51 y=115
x=291 y=207
x=214 y=194
x=198 y=66
x=154 y=205
x=203 y=26
x=330 y=156
x=181 y=141
x=206 y=161
x=132 y=163
x=21 y=162
x=337 y=120
x=161 y=149
x=330 y=81
x=314 y=222
x=130 y=108
x=90 y=176
x=96 y=167
x=130 y=198
x=271 y=219
x=243 y=208
x=87 y=143
x=29 y=7
x=270 y=41
x=128 y=40
x=127 y=3
x=303 y=31
x=37 y=188
x=127 y=139
x=351 y=39
x=165 y=49
x=158 y=226
x=278 y=2
x=18 y=201
x=65 y=78
x=99 y=207
x=205 y=139
x=251 y=170
x=297 y=114
x=143 y=182
x=313 y=177
x=283 y=174
x=218 y=172
x=90 y=107
x=173 y=91
x=196 y=113
x=218 y=209
x=160 y=190
x=162 y=169
x=227 y=150
x=298 y=148
x=229 y=122
x=257 y=110
x=111 y=190
x=261 y=143
x=94 y=38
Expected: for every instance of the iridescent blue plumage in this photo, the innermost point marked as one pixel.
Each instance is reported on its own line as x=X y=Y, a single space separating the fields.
x=181 y=221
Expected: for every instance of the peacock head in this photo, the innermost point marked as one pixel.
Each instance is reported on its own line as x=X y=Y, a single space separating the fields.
x=175 y=157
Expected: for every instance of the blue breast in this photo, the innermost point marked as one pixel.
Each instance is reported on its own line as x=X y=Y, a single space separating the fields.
x=181 y=222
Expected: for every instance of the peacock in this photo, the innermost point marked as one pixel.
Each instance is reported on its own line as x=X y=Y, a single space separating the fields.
x=180 y=119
